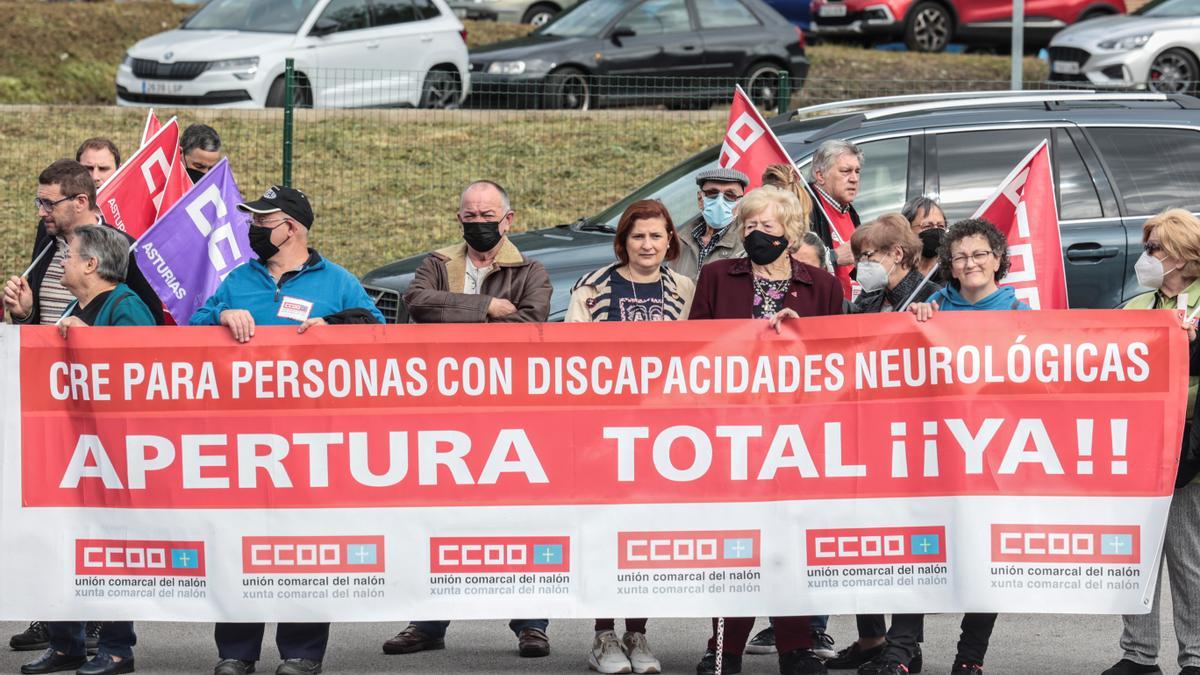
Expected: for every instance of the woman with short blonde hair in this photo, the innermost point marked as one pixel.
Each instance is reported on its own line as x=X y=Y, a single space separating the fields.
x=786 y=208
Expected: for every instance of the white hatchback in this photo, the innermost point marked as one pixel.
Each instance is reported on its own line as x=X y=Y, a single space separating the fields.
x=347 y=53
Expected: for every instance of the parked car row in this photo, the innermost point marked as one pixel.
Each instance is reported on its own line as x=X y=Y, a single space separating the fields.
x=1118 y=159
x=370 y=53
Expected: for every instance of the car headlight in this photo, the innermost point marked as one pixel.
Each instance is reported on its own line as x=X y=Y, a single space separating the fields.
x=127 y=60
x=1126 y=43
x=242 y=69
x=506 y=68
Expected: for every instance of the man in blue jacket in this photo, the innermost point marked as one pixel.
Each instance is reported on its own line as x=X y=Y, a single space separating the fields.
x=289 y=284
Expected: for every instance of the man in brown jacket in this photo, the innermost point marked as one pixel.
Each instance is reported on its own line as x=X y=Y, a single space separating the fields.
x=485 y=278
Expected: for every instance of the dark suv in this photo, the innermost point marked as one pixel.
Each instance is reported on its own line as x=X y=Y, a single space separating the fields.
x=1117 y=158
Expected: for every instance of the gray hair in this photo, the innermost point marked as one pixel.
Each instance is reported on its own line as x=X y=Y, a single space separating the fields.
x=489 y=183
x=918 y=205
x=199 y=137
x=828 y=152
x=108 y=246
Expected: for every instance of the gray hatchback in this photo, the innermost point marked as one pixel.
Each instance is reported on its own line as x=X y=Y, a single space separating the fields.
x=1117 y=159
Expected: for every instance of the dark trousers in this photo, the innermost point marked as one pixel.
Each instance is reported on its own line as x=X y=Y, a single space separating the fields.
x=437 y=629
x=243 y=641
x=116 y=638
x=909 y=629
x=631 y=625
x=791 y=633
x=871 y=625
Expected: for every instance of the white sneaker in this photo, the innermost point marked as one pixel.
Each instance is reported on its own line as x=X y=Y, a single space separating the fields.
x=640 y=657
x=607 y=656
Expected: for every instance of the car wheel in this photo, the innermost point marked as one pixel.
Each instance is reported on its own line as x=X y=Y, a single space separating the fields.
x=301 y=94
x=762 y=85
x=1174 y=71
x=929 y=28
x=540 y=14
x=569 y=89
x=440 y=90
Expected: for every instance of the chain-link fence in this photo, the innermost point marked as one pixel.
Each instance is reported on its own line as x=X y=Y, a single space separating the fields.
x=385 y=178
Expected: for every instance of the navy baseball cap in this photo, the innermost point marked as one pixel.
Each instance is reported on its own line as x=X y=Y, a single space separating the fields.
x=288 y=200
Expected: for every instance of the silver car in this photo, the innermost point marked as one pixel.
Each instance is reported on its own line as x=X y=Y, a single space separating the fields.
x=536 y=12
x=1154 y=48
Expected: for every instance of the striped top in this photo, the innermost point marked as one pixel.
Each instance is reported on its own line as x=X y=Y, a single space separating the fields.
x=52 y=295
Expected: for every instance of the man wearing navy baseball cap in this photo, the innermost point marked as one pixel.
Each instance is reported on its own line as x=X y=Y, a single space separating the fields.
x=289 y=284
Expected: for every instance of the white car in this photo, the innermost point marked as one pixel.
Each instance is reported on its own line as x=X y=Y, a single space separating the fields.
x=347 y=53
x=1154 y=48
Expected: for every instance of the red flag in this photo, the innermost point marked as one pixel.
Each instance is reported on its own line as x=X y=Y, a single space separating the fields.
x=151 y=128
x=1024 y=209
x=178 y=183
x=750 y=145
x=130 y=198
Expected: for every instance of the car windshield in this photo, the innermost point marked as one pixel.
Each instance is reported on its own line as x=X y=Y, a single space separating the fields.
x=259 y=16
x=586 y=19
x=1167 y=8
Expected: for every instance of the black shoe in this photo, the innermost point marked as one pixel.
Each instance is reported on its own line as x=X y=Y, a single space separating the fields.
x=31 y=639
x=1190 y=670
x=533 y=643
x=800 y=662
x=52 y=662
x=822 y=645
x=1127 y=667
x=233 y=667
x=854 y=656
x=763 y=642
x=298 y=667
x=890 y=664
x=731 y=663
x=104 y=664
x=412 y=639
x=91 y=637
x=966 y=668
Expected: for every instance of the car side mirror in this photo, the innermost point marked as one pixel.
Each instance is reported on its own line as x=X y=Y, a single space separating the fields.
x=620 y=32
x=324 y=27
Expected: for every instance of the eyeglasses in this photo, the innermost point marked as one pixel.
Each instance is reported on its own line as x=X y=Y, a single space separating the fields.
x=1152 y=248
x=48 y=205
x=978 y=257
x=866 y=255
x=729 y=195
x=267 y=224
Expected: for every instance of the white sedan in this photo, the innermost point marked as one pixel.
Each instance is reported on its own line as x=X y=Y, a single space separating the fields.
x=1156 y=48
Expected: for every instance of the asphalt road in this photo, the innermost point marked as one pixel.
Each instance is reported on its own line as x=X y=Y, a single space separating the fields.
x=1022 y=644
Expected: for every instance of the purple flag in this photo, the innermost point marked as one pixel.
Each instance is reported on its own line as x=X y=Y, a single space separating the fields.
x=191 y=248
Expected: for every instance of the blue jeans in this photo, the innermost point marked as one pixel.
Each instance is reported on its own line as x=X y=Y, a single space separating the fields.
x=819 y=623
x=116 y=638
x=437 y=629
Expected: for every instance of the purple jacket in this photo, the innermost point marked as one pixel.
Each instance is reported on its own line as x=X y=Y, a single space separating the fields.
x=726 y=291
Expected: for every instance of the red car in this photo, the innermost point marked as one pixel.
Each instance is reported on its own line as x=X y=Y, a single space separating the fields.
x=930 y=25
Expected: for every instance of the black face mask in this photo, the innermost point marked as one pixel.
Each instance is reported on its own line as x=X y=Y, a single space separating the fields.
x=260 y=243
x=481 y=237
x=931 y=241
x=763 y=248
x=195 y=175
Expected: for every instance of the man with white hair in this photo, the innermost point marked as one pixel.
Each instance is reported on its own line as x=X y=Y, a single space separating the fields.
x=836 y=169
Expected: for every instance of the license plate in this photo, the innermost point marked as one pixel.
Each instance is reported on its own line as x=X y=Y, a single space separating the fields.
x=162 y=87
x=832 y=10
x=1065 y=67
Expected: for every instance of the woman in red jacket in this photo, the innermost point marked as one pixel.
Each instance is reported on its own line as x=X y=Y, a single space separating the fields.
x=766 y=284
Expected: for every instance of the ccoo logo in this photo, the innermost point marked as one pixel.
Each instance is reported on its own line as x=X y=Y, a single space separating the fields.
x=120 y=557
x=876 y=545
x=313 y=555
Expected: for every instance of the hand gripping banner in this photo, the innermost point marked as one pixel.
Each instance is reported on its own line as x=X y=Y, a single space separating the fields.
x=995 y=461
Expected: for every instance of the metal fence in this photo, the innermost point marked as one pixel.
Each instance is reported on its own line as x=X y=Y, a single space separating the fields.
x=385 y=179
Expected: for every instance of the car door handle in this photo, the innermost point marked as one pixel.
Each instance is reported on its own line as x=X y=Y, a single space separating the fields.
x=688 y=48
x=1091 y=252
x=372 y=45
x=426 y=38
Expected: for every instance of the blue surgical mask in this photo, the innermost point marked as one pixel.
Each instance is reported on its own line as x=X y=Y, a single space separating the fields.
x=718 y=213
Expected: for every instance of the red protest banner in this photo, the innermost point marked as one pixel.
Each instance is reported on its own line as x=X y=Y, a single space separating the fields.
x=584 y=415
x=130 y=198
x=1024 y=209
x=178 y=183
